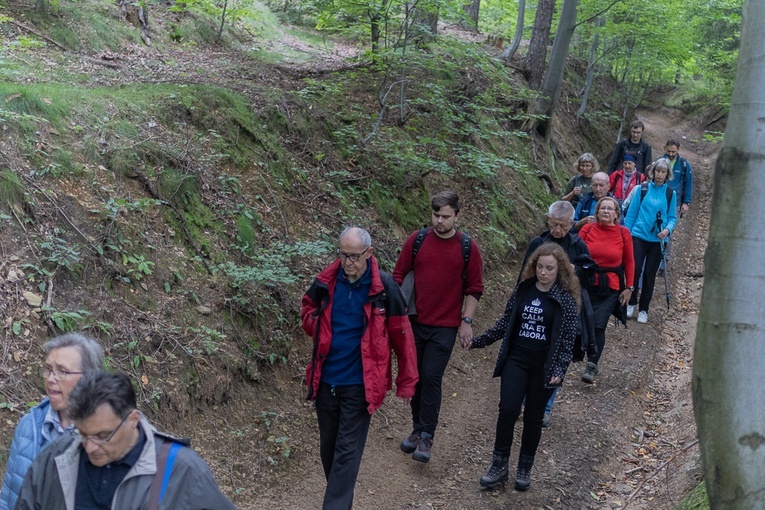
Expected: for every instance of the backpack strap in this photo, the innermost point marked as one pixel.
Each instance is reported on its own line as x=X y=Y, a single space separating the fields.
x=165 y=460
x=466 y=244
x=644 y=191
x=418 y=242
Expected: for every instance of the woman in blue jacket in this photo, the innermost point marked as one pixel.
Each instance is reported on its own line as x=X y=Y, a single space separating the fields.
x=67 y=357
x=651 y=218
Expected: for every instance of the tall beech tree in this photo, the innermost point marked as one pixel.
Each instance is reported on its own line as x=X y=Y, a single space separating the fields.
x=729 y=403
x=540 y=37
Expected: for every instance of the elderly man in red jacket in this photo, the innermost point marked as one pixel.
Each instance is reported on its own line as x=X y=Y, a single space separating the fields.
x=355 y=314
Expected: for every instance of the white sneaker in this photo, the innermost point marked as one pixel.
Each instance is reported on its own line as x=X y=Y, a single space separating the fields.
x=643 y=317
x=631 y=311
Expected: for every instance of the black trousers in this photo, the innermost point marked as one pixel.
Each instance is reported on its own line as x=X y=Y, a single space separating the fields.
x=434 y=349
x=649 y=253
x=343 y=426
x=522 y=377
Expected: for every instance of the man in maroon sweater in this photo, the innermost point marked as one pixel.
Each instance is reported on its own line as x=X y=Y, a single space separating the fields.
x=446 y=294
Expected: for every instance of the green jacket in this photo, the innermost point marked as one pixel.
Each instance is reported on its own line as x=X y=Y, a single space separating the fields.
x=51 y=479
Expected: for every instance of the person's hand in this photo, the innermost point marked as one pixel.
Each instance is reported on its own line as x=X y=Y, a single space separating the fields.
x=466 y=335
x=625 y=296
x=663 y=234
x=554 y=381
x=577 y=190
x=684 y=209
x=406 y=400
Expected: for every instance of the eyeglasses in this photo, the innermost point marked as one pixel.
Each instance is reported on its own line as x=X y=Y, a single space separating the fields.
x=610 y=209
x=98 y=438
x=59 y=375
x=355 y=257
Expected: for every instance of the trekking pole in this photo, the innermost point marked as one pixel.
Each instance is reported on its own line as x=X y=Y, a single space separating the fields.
x=665 y=261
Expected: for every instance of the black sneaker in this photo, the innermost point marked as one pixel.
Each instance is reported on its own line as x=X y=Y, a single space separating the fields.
x=523 y=478
x=422 y=453
x=497 y=473
x=409 y=444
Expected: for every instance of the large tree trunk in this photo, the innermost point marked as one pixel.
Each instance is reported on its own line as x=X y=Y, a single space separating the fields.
x=540 y=37
x=424 y=21
x=471 y=14
x=510 y=50
x=729 y=403
x=590 y=67
x=545 y=103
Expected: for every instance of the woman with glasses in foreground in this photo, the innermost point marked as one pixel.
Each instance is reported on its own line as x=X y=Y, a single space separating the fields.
x=610 y=246
x=67 y=357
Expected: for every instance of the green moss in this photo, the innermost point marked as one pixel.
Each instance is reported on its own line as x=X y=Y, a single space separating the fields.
x=696 y=500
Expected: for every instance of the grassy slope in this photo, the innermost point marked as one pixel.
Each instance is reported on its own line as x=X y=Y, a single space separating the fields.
x=179 y=222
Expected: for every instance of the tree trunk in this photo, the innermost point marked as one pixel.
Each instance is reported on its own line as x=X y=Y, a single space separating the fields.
x=222 y=20
x=590 y=67
x=424 y=21
x=728 y=358
x=510 y=50
x=545 y=103
x=471 y=15
x=540 y=37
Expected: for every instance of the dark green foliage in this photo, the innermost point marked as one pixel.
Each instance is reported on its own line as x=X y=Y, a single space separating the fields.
x=11 y=189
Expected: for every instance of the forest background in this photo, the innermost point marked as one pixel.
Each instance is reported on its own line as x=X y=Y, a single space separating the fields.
x=172 y=174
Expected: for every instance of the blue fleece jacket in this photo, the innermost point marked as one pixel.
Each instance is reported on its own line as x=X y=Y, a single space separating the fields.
x=36 y=430
x=641 y=216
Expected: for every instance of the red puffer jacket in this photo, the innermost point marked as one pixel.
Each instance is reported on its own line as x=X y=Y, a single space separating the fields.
x=386 y=326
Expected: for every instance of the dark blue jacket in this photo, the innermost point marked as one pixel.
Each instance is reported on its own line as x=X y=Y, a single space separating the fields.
x=682 y=180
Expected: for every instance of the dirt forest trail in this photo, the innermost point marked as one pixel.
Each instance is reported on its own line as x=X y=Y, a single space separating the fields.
x=606 y=441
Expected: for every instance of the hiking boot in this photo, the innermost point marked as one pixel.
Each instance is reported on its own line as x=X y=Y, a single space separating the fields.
x=498 y=472
x=631 y=311
x=409 y=444
x=589 y=374
x=642 y=317
x=422 y=453
x=523 y=479
x=546 y=421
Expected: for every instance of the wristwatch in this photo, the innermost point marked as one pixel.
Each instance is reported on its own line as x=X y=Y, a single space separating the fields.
x=467 y=320
x=631 y=289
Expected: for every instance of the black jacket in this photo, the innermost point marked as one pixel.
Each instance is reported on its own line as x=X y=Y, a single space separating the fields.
x=641 y=150
x=564 y=327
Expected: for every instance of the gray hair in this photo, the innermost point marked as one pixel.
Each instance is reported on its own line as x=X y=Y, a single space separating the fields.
x=91 y=353
x=562 y=209
x=587 y=157
x=359 y=233
x=663 y=163
x=100 y=387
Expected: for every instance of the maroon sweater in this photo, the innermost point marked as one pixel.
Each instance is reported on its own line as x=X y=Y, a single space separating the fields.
x=438 y=284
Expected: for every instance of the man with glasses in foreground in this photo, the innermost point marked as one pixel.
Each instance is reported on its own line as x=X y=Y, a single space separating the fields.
x=355 y=314
x=114 y=459
x=447 y=274
x=67 y=357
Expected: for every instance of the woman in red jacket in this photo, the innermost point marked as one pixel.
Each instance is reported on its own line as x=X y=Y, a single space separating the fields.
x=610 y=246
x=626 y=178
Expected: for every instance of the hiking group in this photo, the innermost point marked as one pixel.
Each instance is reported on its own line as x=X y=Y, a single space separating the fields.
x=87 y=446
x=574 y=277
